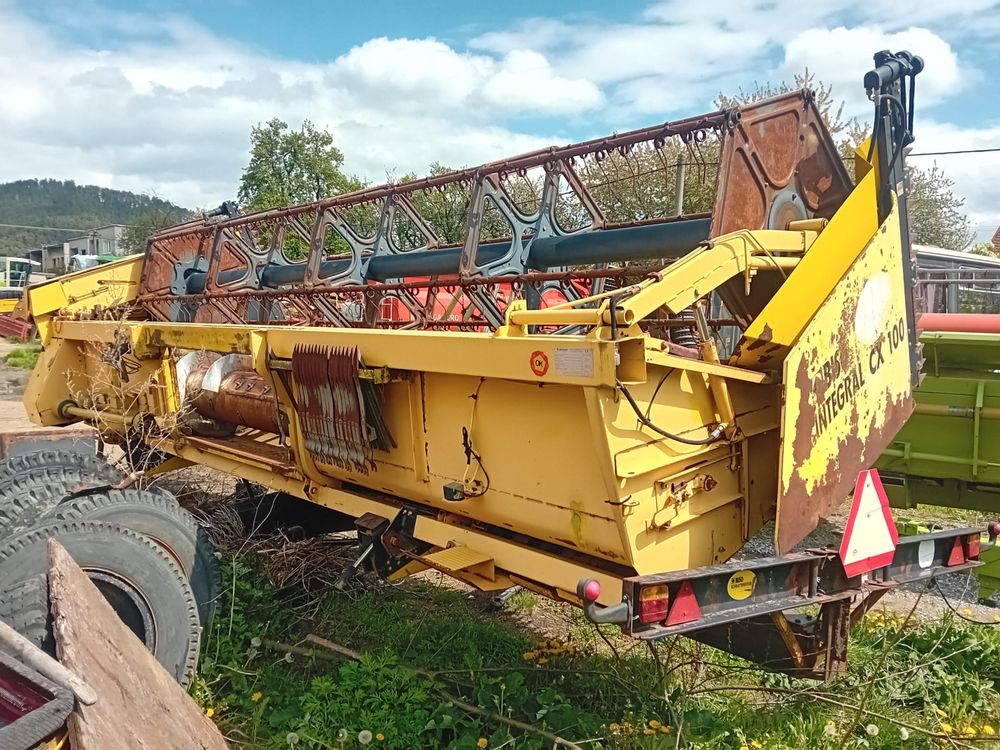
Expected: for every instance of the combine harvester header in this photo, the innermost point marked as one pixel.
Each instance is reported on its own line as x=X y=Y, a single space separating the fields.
x=507 y=373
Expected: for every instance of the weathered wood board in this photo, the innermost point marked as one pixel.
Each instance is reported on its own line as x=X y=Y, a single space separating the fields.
x=139 y=705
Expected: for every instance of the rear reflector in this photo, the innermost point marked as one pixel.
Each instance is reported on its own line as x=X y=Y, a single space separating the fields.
x=653 y=603
x=972 y=546
x=957 y=556
x=685 y=607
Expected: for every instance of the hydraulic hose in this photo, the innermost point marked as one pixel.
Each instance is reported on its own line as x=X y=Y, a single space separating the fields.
x=713 y=436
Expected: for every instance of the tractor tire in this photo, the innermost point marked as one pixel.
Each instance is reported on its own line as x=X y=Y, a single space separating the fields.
x=24 y=498
x=143 y=584
x=155 y=515
x=83 y=462
x=25 y=607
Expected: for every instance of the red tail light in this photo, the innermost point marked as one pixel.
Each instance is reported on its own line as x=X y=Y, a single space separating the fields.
x=972 y=545
x=654 y=602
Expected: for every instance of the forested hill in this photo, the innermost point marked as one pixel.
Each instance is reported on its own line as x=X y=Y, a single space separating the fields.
x=57 y=203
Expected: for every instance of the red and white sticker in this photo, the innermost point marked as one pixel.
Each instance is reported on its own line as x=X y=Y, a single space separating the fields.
x=539 y=362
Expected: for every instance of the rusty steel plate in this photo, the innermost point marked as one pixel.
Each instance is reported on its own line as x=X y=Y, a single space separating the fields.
x=847 y=387
x=778 y=164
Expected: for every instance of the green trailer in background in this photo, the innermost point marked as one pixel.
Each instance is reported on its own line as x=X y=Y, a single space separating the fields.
x=948 y=452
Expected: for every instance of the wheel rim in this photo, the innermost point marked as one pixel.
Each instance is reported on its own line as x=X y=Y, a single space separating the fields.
x=128 y=603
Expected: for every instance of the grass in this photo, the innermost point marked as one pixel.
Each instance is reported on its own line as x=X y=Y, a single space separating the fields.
x=430 y=650
x=25 y=357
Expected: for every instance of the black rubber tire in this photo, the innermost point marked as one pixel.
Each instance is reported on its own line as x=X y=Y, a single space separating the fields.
x=25 y=498
x=25 y=607
x=155 y=515
x=87 y=463
x=114 y=551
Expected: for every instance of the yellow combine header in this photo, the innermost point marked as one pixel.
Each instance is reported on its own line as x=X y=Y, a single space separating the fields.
x=544 y=400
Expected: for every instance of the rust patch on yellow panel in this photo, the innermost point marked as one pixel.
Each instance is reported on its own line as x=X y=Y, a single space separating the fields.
x=847 y=386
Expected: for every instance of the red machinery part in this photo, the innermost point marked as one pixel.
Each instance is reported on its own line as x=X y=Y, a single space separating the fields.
x=959 y=323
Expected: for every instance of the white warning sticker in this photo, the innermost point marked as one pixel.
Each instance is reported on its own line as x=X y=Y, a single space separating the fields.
x=576 y=363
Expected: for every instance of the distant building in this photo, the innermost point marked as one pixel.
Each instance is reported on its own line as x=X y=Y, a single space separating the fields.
x=949 y=280
x=996 y=240
x=104 y=241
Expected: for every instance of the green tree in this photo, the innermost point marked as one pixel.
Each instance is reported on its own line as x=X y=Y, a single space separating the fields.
x=984 y=248
x=138 y=232
x=288 y=167
x=936 y=216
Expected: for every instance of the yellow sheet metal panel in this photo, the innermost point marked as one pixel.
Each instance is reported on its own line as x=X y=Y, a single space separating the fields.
x=847 y=383
x=111 y=284
x=779 y=325
x=566 y=463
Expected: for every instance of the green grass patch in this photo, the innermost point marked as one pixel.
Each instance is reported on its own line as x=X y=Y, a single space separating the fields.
x=25 y=357
x=429 y=653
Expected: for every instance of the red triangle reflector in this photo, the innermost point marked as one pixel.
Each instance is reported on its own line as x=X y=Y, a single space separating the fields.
x=957 y=556
x=685 y=607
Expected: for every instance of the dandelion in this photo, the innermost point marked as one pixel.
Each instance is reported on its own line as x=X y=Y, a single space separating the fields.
x=614 y=727
x=380 y=737
x=543 y=660
x=255 y=642
x=756 y=744
x=483 y=742
x=647 y=730
x=988 y=730
x=292 y=739
x=904 y=734
x=210 y=712
x=654 y=724
x=872 y=730
x=364 y=737
x=664 y=729
x=342 y=735
x=967 y=611
x=256 y=696
x=969 y=731
x=946 y=727
x=529 y=655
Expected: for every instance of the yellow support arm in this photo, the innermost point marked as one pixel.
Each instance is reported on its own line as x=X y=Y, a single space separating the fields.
x=680 y=285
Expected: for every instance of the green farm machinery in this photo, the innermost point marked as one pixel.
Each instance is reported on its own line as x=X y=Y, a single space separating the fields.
x=948 y=452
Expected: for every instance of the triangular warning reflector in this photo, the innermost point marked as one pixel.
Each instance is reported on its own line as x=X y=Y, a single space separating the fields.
x=870 y=537
x=685 y=607
x=957 y=555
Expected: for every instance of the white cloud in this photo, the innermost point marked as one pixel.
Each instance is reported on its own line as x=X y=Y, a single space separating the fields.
x=974 y=174
x=839 y=56
x=169 y=110
x=168 y=105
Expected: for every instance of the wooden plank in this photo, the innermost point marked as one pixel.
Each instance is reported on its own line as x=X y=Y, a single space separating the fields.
x=139 y=705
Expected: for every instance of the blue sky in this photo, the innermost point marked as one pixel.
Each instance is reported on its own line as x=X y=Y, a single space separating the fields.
x=160 y=96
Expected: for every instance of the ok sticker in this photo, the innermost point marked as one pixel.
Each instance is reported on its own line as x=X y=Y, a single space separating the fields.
x=539 y=363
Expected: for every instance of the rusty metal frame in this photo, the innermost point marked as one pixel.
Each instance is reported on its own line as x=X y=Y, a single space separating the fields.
x=233 y=252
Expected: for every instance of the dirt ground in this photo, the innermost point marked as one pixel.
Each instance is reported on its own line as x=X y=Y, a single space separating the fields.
x=12 y=383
